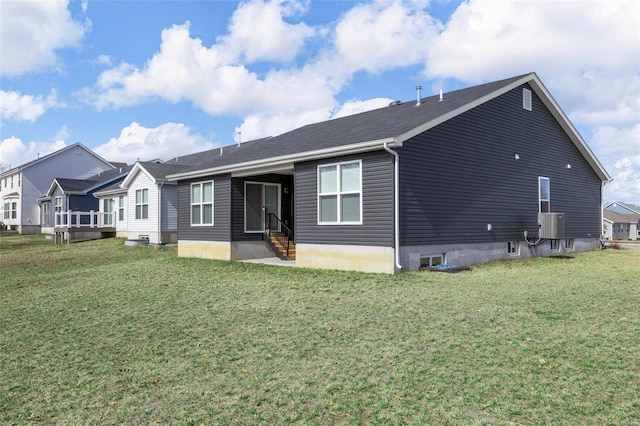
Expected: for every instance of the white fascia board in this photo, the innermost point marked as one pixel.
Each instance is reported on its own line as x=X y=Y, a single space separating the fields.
x=286 y=161
x=117 y=191
x=51 y=189
x=464 y=108
x=137 y=168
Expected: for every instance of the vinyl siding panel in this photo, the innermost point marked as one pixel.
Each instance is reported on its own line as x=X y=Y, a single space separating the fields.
x=462 y=175
x=377 y=204
x=147 y=226
x=220 y=231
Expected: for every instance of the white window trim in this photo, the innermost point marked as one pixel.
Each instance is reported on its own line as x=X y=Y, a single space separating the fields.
x=135 y=212
x=121 y=208
x=245 y=204
x=540 y=199
x=555 y=243
x=338 y=193
x=569 y=244
x=517 y=248
x=201 y=203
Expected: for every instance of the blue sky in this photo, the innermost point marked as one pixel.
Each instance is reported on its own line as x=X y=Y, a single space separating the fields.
x=142 y=80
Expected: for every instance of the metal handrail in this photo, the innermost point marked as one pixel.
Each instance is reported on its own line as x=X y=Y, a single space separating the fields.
x=284 y=235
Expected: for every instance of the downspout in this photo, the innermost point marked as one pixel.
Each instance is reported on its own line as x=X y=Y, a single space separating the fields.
x=396 y=202
x=160 y=213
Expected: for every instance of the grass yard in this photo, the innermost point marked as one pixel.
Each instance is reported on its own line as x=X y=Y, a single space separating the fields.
x=99 y=333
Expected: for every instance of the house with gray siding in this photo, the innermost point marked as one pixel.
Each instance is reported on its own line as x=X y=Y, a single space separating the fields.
x=494 y=171
x=22 y=186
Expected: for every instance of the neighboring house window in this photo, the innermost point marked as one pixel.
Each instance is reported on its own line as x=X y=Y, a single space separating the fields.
x=568 y=243
x=142 y=204
x=57 y=208
x=7 y=208
x=544 y=194
x=46 y=213
x=554 y=245
x=107 y=209
x=526 y=99
x=340 y=193
x=19 y=179
x=512 y=248
x=202 y=203
x=121 y=208
x=11 y=182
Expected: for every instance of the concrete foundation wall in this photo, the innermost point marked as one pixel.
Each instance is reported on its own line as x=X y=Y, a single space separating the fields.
x=349 y=258
x=470 y=254
x=243 y=250
x=220 y=250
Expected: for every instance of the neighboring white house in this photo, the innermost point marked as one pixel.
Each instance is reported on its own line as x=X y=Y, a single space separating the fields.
x=22 y=186
x=151 y=210
x=621 y=221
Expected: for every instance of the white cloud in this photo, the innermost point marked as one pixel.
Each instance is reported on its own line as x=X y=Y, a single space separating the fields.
x=18 y=107
x=32 y=31
x=626 y=181
x=258 y=32
x=383 y=35
x=15 y=153
x=355 y=107
x=166 y=141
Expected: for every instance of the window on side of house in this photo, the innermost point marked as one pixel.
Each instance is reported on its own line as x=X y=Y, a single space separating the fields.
x=142 y=204
x=568 y=243
x=554 y=245
x=430 y=260
x=57 y=209
x=46 y=213
x=340 y=193
x=7 y=209
x=14 y=210
x=202 y=203
x=512 y=248
x=526 y=99
x=544 y=194
x=121 y=208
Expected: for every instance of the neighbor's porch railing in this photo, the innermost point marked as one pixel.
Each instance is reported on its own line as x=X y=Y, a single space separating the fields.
x=91 y=219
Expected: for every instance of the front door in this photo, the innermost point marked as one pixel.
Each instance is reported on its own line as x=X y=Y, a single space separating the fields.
x=259 y=199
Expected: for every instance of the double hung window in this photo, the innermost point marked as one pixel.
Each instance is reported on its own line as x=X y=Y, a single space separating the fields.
x=142 y=204
x=544 y=194
x=340 y=193
x=202 y=203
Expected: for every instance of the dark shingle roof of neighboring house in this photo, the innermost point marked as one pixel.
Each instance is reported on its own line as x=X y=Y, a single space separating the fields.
x=83 y=186
x=370 y=130
x=74 y=185
x=620 y=218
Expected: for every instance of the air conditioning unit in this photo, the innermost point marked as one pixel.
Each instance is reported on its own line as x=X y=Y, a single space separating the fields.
x=551 y=226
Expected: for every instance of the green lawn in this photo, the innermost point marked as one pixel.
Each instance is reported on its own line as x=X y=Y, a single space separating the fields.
x=100 y=333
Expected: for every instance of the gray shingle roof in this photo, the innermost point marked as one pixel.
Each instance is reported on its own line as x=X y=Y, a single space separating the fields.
x=378 y=124
x=621 y=218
